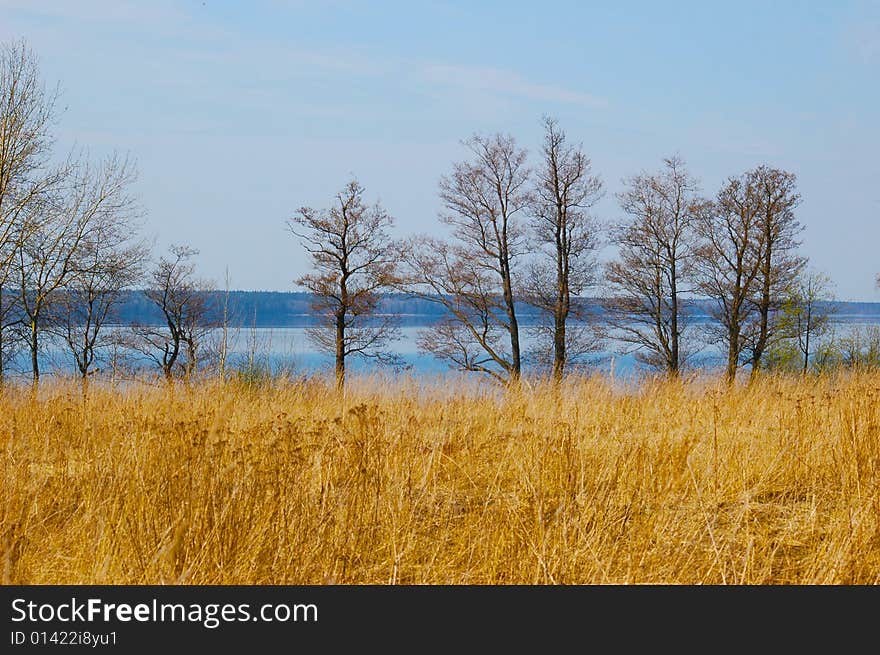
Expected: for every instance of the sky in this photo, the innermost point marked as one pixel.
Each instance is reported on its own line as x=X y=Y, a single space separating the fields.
x=238 y=113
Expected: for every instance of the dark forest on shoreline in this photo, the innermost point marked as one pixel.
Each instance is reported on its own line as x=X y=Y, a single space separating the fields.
x=278 y=309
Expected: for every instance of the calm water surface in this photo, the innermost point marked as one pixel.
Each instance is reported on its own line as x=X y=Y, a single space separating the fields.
x=290 y=349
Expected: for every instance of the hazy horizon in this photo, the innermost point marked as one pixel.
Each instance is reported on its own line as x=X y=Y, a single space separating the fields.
x=239 y=114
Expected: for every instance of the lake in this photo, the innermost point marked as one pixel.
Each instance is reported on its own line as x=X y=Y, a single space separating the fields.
x=289 y=348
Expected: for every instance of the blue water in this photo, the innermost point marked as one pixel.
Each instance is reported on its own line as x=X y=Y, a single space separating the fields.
x=289 y=349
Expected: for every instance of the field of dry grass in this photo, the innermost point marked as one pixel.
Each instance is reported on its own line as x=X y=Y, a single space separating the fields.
x=685 y=483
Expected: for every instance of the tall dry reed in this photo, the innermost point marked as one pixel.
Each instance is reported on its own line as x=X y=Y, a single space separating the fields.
x=669 y=482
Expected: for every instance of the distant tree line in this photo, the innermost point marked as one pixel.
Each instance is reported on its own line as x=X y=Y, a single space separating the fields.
x=521 y=259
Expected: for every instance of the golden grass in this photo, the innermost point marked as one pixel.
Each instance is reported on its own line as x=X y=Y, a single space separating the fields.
x=684 y=483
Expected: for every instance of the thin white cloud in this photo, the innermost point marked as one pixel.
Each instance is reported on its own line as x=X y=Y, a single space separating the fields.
x=122 y=19
x=504 y=82
x=444 y=79
x=867 y=42
x=99 y=11
x=198 y=40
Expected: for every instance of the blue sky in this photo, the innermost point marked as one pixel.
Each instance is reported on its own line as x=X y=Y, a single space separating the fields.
x=238 y=113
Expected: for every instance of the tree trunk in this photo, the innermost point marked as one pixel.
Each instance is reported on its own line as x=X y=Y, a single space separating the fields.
x=34 y=345
x=807 y=341
x=513 y=329
x=563 y=303
x=559 y=346
x=340 y=351
x=516 y=361
x=732 y=353
x=764 y=305
x=674 y=364
x=170 y=359
x=191 y=354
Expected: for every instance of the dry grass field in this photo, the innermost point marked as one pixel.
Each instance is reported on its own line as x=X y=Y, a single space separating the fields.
x=673 y=482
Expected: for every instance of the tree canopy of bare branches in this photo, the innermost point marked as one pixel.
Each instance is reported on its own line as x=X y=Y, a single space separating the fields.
x=60 y=234
x=110 y=260
x=747 y=261
x=26 y=116
x=652 y=274
x=185 y=305
x=729 y=263
x=568 y=235
x=354 y=258
x=780 y=265
x=803 y=322
x=473 y=277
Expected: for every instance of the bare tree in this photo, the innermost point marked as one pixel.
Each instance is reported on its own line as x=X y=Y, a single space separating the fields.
x=653 y=272
x=26 y=115
x=110 y=260
x=803 y=322
x=565 y=190
x=184 y=303
x=59 y=229
x=729 y=261
x=471 y=335
x=354 y=258
x=858 y=348
x=473 y=277
x=780 y=264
